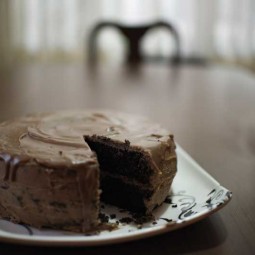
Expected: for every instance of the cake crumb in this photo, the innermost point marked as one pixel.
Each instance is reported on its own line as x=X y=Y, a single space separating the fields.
x=140 y=226
x=126 y=220
x=140 y=218
x=104 y=218
x=127 y=142
x=168 y=200
x=113 y=216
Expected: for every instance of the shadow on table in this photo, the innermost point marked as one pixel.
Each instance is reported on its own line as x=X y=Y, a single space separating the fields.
x=203 y=235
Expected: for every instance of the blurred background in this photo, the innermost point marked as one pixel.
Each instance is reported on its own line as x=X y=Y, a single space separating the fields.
x=59 y=30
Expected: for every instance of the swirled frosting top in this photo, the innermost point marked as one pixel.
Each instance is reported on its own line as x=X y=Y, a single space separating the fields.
x=57 y=138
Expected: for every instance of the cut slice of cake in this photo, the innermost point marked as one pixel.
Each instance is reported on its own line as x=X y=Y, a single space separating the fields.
x=135 y=175
x=50 y=177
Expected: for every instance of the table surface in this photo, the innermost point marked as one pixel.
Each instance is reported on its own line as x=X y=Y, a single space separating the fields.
x=210 y=110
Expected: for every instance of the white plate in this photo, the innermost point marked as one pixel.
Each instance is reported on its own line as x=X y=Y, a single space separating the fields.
x=194 y=196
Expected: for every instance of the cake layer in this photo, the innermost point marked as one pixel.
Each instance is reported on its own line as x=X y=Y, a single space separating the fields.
x=130 y=172
x=125 y=195
x=119 y=159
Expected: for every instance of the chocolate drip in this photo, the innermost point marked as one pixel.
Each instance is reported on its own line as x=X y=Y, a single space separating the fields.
x=11 y=165
x=16 y=162
x=6 y=158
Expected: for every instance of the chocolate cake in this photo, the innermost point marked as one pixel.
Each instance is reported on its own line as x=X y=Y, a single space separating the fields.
x=55 y=167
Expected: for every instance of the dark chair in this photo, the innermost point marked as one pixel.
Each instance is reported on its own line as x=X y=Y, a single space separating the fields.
x=133 y=34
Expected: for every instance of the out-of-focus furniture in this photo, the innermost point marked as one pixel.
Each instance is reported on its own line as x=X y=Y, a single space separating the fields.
x=133 y=34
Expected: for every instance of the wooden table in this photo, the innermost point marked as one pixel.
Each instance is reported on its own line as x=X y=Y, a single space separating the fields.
x=211 y=111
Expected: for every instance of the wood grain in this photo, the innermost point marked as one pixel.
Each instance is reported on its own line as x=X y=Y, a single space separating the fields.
x=211 y=111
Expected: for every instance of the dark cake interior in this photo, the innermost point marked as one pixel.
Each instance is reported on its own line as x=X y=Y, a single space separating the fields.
x=125 y=173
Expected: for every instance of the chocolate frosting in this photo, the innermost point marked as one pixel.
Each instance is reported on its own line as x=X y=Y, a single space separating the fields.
x=52 y=141
x=57 y=138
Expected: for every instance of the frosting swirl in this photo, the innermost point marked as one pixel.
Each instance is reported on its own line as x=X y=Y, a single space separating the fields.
x=57 y=138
